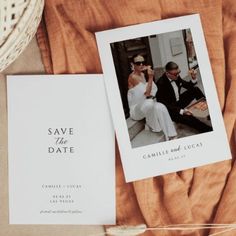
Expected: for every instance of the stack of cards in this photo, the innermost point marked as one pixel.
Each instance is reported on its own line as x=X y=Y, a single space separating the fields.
x=157 y=79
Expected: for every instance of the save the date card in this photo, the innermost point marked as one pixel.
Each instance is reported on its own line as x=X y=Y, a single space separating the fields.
x=61 y=150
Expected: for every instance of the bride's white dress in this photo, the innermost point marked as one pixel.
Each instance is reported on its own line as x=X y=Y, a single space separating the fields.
x=156 y=114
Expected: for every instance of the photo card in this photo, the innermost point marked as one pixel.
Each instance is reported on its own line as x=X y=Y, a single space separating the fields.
x=162 y=97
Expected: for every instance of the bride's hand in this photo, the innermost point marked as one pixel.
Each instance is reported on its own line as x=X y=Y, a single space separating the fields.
x=147 y=94
x=150 y=71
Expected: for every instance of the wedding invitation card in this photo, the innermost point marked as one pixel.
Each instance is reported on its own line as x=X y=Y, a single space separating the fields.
x=61 y=150
x=162 y=97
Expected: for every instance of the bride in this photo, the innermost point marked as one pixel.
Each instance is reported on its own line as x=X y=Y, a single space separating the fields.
x=141 y=101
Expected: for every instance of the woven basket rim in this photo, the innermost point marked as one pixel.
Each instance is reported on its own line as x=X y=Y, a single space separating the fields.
x=18 y=30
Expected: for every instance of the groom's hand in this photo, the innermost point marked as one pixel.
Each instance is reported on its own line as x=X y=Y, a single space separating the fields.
x=188 y=113
x=193 y=74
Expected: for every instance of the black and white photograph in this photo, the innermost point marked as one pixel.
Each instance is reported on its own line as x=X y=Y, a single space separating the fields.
x=162 y=97
x=161 y=88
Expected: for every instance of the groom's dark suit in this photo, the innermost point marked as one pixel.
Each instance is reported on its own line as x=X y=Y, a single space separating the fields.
x=167 y=96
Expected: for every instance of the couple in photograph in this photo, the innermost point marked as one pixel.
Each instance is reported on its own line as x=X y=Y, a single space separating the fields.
x=162 y=103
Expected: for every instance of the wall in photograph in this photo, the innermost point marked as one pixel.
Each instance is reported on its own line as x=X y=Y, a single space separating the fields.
x=162 y=53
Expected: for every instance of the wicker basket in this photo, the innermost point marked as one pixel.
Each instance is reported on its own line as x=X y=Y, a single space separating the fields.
x=19 y=20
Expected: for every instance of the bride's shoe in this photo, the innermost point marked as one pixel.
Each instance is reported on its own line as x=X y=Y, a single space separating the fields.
x=173 y=138
x=147 y=128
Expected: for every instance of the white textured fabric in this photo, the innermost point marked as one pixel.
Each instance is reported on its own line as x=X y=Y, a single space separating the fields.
x=156 y=114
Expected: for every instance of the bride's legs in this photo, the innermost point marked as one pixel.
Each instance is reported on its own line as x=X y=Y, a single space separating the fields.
x=157 y=117
x=151 y=117
x=165 y=121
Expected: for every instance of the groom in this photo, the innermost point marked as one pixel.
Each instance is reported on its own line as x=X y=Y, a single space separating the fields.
x=169 y=86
